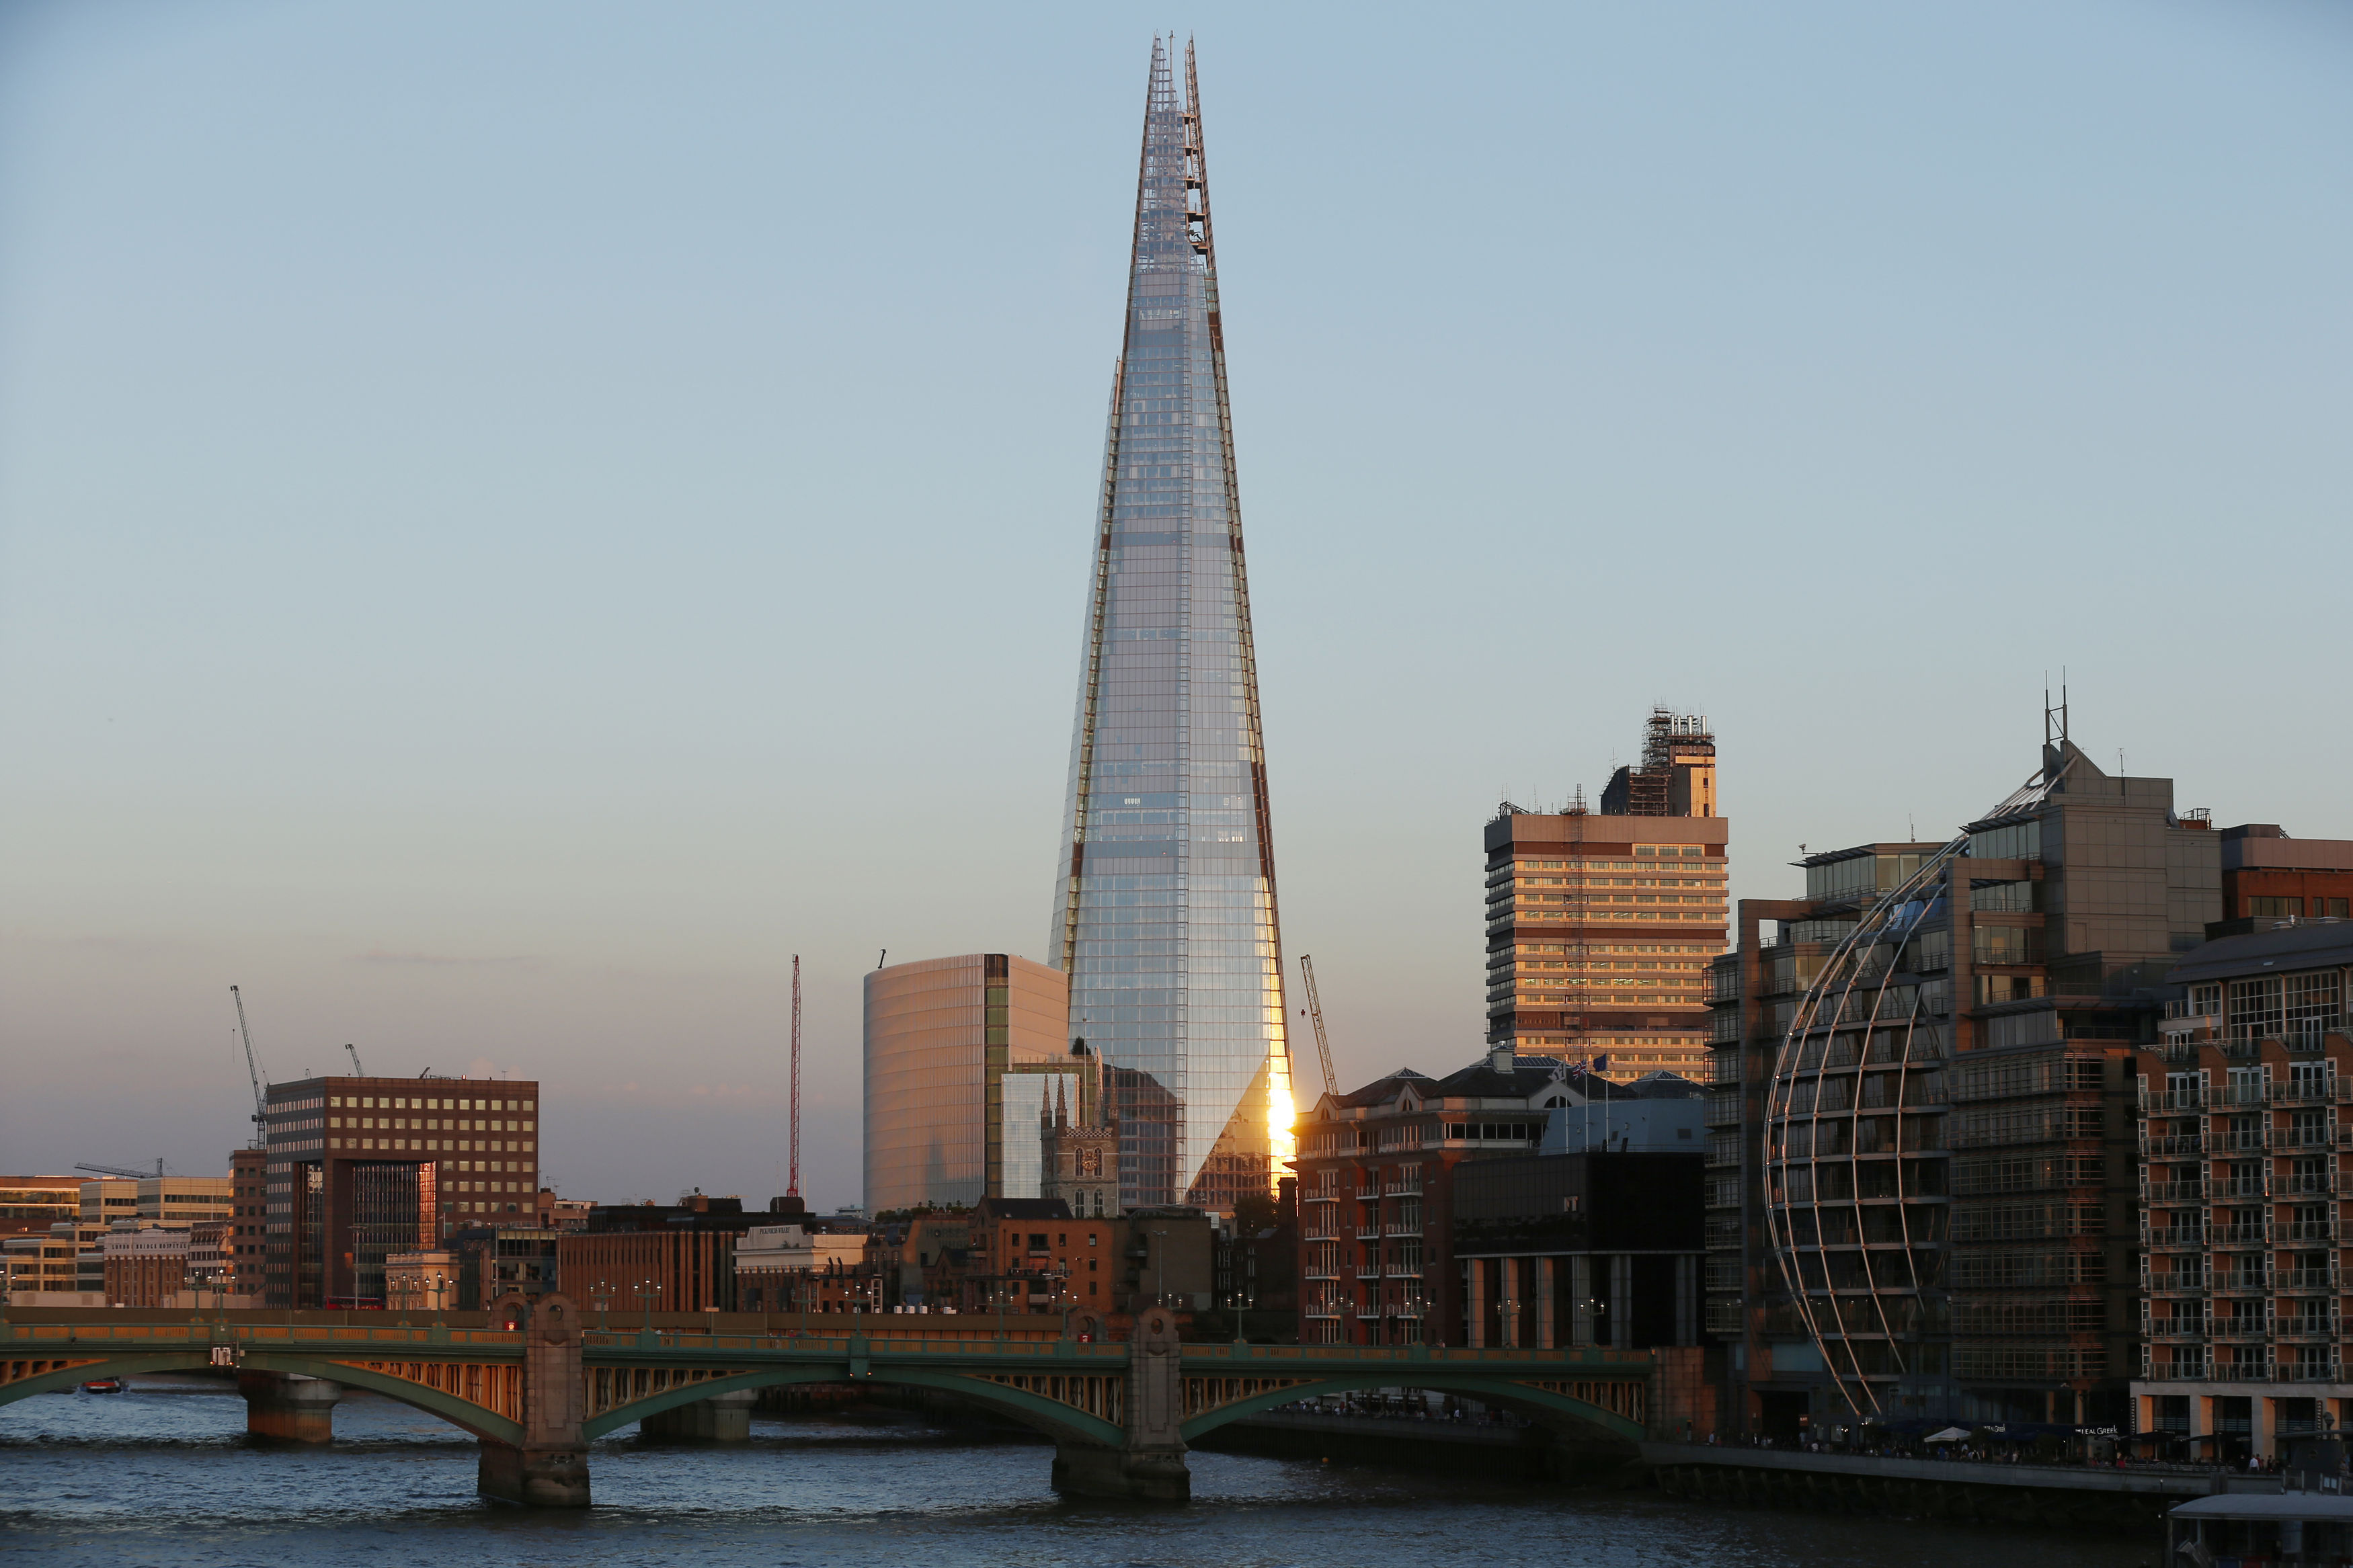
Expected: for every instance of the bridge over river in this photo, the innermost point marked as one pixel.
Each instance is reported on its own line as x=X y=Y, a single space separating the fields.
x=534 y=1383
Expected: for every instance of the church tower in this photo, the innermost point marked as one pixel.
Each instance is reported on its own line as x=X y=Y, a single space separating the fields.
x=1080 y=1159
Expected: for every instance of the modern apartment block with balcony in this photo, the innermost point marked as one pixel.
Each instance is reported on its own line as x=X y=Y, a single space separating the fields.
x=1375 y=1186
x=2243 y=1139
x=1600 y=925
x=1920 y=1155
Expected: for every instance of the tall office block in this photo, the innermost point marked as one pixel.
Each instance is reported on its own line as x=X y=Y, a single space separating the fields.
x=360 y=1168
x=1600 y=925
x=960 y=1052
x=1165 y=918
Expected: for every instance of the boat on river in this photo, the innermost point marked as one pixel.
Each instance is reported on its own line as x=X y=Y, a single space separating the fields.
x=104 y=1385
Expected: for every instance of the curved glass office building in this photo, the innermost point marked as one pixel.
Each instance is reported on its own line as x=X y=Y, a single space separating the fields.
x=1165 y=918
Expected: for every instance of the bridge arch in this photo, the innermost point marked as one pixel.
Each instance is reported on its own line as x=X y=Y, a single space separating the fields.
x=466 y=1415
x=1556 y=1409
x=1046 y=1417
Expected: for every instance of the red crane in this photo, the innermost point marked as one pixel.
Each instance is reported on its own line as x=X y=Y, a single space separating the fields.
x=793 y=1184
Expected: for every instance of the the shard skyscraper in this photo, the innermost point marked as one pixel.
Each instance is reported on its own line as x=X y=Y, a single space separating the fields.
x=1167 y=919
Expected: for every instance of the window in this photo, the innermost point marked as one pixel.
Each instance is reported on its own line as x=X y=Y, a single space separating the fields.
x=2262 y=909
x=2017 y=841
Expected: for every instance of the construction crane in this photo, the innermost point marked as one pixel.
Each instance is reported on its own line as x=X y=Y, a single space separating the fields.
x=127 y=1173
x=253 y=1071
x=1315 y=1012
x=354 y=1052
x=793 y=1179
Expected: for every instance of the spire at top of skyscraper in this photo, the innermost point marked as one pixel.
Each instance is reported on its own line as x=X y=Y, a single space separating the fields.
x=1166 y=918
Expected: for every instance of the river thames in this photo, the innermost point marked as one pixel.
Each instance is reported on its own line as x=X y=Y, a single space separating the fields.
x=165 y=1476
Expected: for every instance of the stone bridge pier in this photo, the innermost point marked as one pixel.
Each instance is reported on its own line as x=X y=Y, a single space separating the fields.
x=288 y=1407
x=1149 y=1464
x=722 y=1418
x=549 y=1469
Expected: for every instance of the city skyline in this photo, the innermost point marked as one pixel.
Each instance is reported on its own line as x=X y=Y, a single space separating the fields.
x=484 y=569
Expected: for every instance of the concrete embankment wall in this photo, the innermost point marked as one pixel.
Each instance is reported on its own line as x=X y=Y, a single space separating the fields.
x=2051 y=1497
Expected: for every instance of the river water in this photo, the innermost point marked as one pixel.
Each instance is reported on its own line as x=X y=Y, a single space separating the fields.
x=164 y=1475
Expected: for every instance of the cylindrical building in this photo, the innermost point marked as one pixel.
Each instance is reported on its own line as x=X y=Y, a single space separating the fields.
x=940 y=1035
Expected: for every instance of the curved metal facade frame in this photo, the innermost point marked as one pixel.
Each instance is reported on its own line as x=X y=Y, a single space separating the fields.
x=1848 y=1020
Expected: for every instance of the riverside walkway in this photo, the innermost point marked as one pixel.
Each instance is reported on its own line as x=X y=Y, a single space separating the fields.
x=534 y=1384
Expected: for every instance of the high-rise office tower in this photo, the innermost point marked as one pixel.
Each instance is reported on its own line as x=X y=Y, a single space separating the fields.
x=1166 y=914
x=1600 y=925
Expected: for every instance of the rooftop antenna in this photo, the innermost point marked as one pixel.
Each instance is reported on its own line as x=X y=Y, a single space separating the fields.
x=879 y=963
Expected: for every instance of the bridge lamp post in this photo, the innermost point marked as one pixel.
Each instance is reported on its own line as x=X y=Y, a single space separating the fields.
x=1160 y=1268
x=1588 y=1315
x=603 y=1295
x=647 y=1292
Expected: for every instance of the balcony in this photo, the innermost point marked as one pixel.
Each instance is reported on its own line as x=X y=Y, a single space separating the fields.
x=2306 y=1278
x=2178 y=1193
x=1369 y=1194
x=2240 y=1236
x=1368 y=1233
x=2310 y=1230
x=1396 y=1227
x=2300 y=1371
x=2227 y=1329
x=2182 y=1238
x=2325 y=1092
x=2173 y=1145
x=1405 y=1271
x=2306 y=1331
x=2298 y=1187
x=2244 y=1282
x=2236 y=1187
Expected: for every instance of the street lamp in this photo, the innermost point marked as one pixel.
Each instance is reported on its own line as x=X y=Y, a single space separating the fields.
x=603 y=1295
x=646 y=1292
x=1160 y=1269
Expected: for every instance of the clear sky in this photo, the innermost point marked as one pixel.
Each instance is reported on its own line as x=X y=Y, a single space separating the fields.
x=514 y=520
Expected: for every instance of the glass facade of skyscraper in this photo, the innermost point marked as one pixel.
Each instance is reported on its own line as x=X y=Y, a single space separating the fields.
x=1166 y=914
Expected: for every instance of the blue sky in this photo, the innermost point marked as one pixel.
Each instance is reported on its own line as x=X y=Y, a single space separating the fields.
x=515 y=520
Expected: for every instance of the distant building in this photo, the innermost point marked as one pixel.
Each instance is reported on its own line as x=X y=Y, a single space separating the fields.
x=1587 y=1249
x=961 y=1054
x=423 y=1281
x=44 y=1269
x=1600 y=926
x=795 y=1269
x=930 y=1249
x=247 y=1241
x=1079 y=1154
x=2267 y=876
x=493 y=1261
x=1379 y=1169
x=144 y=1267
x=2245 y=1350
x=1920 y=1189
x=674 y=1258
x=31 y=1204
x=107 y=1199
x=360 y=1168
x=1029 y=1254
